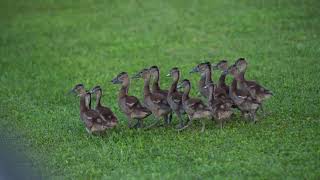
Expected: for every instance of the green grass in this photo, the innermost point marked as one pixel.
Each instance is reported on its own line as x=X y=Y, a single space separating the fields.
x=46 y=47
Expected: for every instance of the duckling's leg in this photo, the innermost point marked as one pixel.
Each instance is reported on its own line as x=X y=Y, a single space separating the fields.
x=180 y=125
x=130 y=123
x=167 y=119
x=88 y=130
x=203 y=125
x=189 y=123
x=170 y=118
x=253 y=116
x=153 y=124
x=264 y=114
x=140 y=122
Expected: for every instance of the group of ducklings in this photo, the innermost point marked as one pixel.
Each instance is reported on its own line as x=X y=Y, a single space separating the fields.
x=244 y=95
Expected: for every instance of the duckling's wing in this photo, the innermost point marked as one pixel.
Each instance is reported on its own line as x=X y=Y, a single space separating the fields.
x=196 y=104
x=107 y=113
x=91 y=117
x=177 y=97
x=256 y=88
x=158 y=98
x=131 y=101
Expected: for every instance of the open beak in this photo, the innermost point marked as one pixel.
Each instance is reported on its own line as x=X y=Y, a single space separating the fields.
x=194 y=70
x=168 y=75
x=179 y=86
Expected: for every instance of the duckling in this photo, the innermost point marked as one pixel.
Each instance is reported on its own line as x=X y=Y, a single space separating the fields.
x=105 y=112
x=205 y=71
x=219 y=103
x=130 y=105
x=92 y=119
x=195 y=108
x=155 y=88
x=257 y=91
x=174 y=97
x=242 y=99
x=155 y=102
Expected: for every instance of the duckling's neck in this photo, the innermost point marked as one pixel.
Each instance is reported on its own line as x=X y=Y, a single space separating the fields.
x=202 y=81
x=186 y=92
x=124 y=88
x=241 y=75
x=155 y=85
x=211 y=89
x=222 y=79
x=240 y=80
x=98 y=100
x=85 y=102
x=146 y=87
x=174 y=84
x=208 y=77
x=233 y=88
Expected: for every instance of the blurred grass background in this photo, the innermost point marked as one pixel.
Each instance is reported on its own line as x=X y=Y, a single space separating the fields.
x=46 y=47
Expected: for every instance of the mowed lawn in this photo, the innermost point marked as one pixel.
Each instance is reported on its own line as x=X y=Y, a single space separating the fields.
x=46 y=47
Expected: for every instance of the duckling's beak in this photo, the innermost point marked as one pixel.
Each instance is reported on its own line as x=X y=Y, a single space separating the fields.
x=214 y=66
x=194 y=70
x=225 y=72
x=168 y=75
x=115 y=81
x=207 y=85
x=136 y=76
x=72 y=91
x=179 y=86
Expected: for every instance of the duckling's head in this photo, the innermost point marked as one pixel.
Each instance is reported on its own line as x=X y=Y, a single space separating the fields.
x=241 y=64
x=174 y=72
x=154 y=70
x=121 y=77
x=184 y=83
x=221 y=65
x=96 y=89
x=233 y=70
x=78 y=89
x=144 y=73
x=202 y=68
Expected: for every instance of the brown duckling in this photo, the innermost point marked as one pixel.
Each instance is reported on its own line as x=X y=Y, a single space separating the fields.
x=257 y=91
x=105 y=112
x=205 y=71
x=92 y=119
x=130 y=105
x=220 y=104
x=155 y=102
x=155 y=87
x=174 y=97
x=242 y=99
x=195 y=108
